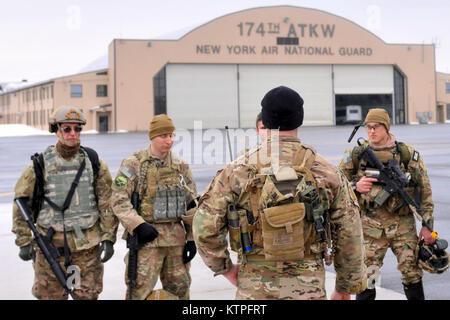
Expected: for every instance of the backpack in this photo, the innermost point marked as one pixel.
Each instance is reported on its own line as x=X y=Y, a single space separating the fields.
x=290 y=198
x=39 y=166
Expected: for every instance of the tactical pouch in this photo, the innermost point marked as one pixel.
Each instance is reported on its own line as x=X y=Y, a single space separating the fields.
x=169 y=204
x=172 y=203
x=368 y=199
x=160 y=206
x=282 y=229
x=181 y=201
x=234 y=230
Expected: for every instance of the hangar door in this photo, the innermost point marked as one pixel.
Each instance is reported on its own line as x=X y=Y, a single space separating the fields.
x=312 y=82
x=359 y=88
x=231 y=94
x=202 y=92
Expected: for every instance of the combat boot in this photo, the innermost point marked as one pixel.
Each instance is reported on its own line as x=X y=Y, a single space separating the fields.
x=414 y=291
x=368 y=294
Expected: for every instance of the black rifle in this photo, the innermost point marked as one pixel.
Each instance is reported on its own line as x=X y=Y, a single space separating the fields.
x=44 y=243
x=134 y=246
x=393 y=181
x=229 y=143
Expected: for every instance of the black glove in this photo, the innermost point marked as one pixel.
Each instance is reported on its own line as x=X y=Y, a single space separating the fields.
x=146 y=232
x=27 y=252
x=106 y=247
x=189 y=251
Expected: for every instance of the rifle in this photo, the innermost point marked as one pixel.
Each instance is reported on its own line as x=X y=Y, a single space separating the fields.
x=44 y=243
x=229 y=143
x=393 y=181
x=134 y=247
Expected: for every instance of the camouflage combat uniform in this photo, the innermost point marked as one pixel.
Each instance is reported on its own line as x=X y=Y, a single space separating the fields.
x=163 y=256
x=382 y=227
x=83 y=243
x=261 y=278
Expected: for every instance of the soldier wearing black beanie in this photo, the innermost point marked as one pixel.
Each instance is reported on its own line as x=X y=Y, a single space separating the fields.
x=282 y=109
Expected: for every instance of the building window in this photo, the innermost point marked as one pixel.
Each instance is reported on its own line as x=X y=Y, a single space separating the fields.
x=447 y=87
x=159 y=92
x=102 y=90
x=399 y=97
x=448 y=111
x=76 y=90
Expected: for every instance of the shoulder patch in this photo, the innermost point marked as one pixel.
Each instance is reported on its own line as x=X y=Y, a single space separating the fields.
x=127 y=172
x=120 y=181
x=415 y=156
x=347 y=156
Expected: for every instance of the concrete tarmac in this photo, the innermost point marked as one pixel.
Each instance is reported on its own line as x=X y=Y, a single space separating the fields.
x=16 y=276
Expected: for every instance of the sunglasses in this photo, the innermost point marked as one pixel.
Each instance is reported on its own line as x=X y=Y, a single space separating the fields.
x=75 y=129
x=375 y=127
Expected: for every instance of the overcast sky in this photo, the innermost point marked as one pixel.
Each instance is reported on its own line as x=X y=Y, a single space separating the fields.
x=47 y=38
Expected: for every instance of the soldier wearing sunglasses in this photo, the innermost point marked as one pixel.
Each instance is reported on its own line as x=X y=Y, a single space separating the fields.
x=76 y=221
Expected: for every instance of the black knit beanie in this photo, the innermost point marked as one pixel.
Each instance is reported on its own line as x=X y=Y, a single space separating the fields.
x=282 y=108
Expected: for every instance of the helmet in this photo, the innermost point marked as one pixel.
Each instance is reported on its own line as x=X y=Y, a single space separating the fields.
x=433 y=257
x=161 y=294
x=65 y=114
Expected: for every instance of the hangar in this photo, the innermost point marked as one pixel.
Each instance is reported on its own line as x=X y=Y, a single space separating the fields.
x=217 y=74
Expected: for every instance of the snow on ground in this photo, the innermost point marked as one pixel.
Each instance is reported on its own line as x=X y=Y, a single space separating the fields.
x=15 y=130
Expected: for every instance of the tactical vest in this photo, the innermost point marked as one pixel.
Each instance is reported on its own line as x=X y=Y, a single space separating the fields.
x=163 y=196
x=402 y=155
x=287 y=215
x=59 y=174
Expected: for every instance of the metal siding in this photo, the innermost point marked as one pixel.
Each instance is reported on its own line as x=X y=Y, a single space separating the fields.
x=363 y=79
x=202 y=92
x=312 y=82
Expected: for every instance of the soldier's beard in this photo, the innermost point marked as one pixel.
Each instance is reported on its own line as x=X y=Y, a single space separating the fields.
x=67 y=149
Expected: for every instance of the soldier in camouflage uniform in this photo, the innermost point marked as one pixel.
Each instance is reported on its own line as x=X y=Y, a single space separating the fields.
x=90 y=226
x=382 y=227
x=165 y=185
x=261 y=130
x=282 y=238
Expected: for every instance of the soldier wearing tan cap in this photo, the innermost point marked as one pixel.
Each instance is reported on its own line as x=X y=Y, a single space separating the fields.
x=384 y=228
x=166 y=190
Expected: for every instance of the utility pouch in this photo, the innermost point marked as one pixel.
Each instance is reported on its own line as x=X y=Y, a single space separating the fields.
x=160 y=207
x=245 y=234
x=282 y=229
x=381 y=197
x=172 y=203
x=181 y=202
x=233 y=229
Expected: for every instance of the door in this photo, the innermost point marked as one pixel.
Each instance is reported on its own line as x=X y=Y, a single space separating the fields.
x=103 y=123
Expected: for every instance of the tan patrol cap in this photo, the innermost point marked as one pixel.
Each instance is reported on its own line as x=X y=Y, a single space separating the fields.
x=378 y=115
x=66 y=115
x=160 y=124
